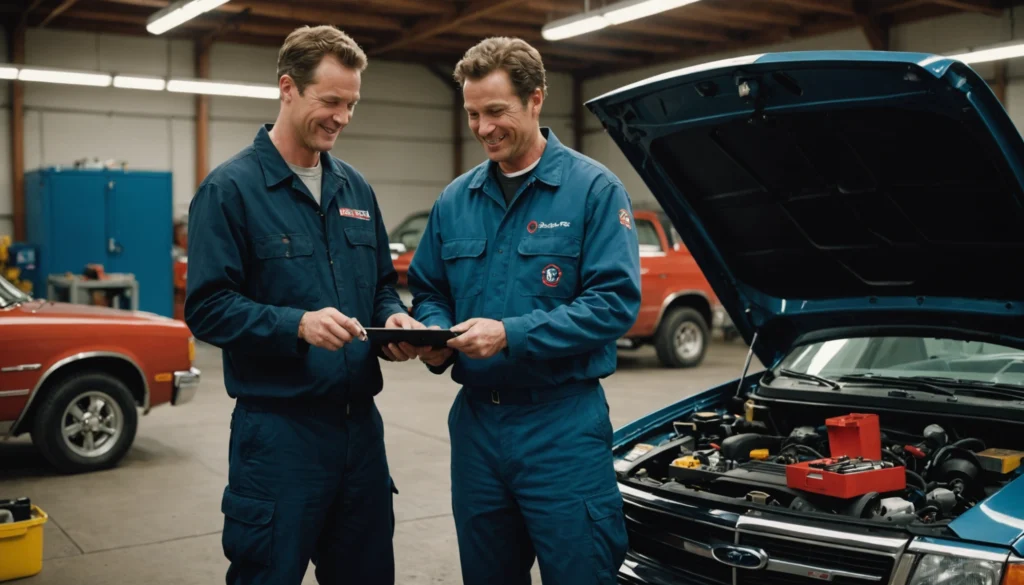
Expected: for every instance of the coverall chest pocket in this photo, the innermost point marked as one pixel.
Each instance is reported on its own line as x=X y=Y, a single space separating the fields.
x=548 y=266
x=465 y=264
x=362 y=245
x=287 y=268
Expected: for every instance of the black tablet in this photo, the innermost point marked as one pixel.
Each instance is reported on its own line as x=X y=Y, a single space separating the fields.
x=436 y=338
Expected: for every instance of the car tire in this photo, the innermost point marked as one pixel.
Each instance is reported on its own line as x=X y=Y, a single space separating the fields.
x=104 y=411
x=682 y=338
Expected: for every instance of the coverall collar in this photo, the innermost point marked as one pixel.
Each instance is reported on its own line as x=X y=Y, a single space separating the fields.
x=275 y=169
x=547 y=171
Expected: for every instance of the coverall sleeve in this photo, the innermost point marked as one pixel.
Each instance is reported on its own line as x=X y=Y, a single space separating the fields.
x=216 y=310
x=609 y=302
x=428 y=282
x=386 y=302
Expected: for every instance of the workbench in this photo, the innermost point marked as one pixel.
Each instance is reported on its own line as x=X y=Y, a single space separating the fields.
x=77 y=289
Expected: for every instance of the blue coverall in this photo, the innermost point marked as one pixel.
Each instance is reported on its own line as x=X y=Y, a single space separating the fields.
x=531 y=465
x=308 y=474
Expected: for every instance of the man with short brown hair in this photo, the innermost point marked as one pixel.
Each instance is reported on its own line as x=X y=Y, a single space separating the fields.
x=533 y=259
x=288 y=258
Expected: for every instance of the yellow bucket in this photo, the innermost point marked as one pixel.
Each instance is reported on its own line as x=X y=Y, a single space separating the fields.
x=21 y=547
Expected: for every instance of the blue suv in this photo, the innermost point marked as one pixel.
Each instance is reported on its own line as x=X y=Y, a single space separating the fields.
x=860 y=215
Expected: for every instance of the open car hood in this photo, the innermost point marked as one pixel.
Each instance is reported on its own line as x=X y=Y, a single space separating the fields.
x=829 y=193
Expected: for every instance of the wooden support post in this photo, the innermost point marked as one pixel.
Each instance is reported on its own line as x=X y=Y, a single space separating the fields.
x=577 y=113
x=458 y=119
x=1000 y=84
x=16 y=50
x=202 y=113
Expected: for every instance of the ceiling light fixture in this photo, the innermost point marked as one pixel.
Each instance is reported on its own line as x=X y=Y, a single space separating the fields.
x=8 y=72
x=992 y=53
x=64 y=77
x=135 y=82
x=271 y=92
x=178 y=13
x=610 y=15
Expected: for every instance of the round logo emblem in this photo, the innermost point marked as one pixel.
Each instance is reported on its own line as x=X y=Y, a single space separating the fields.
x=551 y=275
x=531 y=227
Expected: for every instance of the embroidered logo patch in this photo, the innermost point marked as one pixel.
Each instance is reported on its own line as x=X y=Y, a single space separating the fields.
x=355 y=213
x=551 y=275
x=533 y=226
x=624 y=219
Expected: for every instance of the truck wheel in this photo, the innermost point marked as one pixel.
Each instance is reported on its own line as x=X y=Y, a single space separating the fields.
x=86 y=422
x=682 y=338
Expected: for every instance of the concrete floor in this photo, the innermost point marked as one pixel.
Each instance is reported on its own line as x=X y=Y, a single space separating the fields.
x=156 y=519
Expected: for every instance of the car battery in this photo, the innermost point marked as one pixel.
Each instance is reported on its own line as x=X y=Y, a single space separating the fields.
x=846 y=477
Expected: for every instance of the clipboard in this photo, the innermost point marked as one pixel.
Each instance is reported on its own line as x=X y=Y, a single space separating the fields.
x=435 y=338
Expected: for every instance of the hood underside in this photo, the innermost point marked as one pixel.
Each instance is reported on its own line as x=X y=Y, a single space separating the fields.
x=829 y=191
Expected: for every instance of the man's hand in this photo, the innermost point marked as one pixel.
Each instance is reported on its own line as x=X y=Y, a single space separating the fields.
x=480 y=338
x=400 y=352
x=435 y=357
x=329 y=329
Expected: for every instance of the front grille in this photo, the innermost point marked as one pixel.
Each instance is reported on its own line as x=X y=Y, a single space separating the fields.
x=811 y=554
x=661 y=537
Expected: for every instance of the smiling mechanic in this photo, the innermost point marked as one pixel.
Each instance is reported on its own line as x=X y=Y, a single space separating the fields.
x=288 y=258
x=532 y=256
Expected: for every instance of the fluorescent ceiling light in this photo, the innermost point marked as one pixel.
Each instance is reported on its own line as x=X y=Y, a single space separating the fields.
x=134 y=82
x=65 y=77
x=571 y=27
x=178 y=13
x=8 y=72
x=640 y=9
x=271 y=92
x=610 y=15
x=996 y=53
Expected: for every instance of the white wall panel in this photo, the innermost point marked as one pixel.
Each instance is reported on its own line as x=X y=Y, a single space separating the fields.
x=143 y=143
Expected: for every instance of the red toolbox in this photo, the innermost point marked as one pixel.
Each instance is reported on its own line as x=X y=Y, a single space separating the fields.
x=855 y=435
x=856 y=466
x=814 y=476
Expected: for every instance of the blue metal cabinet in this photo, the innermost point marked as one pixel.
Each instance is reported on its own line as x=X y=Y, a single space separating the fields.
x=120 y=219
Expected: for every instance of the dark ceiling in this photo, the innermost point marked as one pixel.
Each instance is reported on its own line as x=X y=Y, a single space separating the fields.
x=439 y=31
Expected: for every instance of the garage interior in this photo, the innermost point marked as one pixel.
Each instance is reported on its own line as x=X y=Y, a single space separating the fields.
x=155 y=518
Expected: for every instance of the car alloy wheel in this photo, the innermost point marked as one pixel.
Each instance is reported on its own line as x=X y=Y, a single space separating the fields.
x=689 y=341
x=92 y=424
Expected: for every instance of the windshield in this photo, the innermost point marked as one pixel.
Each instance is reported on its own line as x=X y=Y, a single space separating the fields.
x=10 y=294
x=909 y=357
x=409 y=231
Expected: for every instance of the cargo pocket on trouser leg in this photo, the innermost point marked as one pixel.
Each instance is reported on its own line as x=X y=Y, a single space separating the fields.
x=248 y=529
x=608 y=531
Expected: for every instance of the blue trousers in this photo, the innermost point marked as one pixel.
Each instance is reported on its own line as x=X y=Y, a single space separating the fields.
x=308 y=483
x=535 y=481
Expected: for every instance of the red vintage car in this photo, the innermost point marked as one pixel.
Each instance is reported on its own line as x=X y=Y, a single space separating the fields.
x=74 y=376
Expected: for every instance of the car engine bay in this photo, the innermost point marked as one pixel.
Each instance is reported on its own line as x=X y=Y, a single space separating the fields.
x=906 y=469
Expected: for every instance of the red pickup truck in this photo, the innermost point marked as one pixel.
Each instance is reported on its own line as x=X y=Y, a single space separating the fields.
x=678 y=308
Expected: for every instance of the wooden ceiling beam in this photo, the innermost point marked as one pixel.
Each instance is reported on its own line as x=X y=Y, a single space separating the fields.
x=981 y=6
x=836 y=7
x=544 y=48
x=290 y=12
x=63 y=7
x=676 y=31
x=726 y=16
x=437 y=26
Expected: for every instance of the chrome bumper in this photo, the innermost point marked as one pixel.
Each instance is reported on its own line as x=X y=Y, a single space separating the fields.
x=185 y=386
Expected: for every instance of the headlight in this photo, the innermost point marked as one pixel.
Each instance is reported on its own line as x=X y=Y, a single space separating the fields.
x=948 y=570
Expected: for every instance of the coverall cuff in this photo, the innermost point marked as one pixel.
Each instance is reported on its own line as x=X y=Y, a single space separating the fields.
x=385 y=311
x=288 y=328
x=515 y=337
